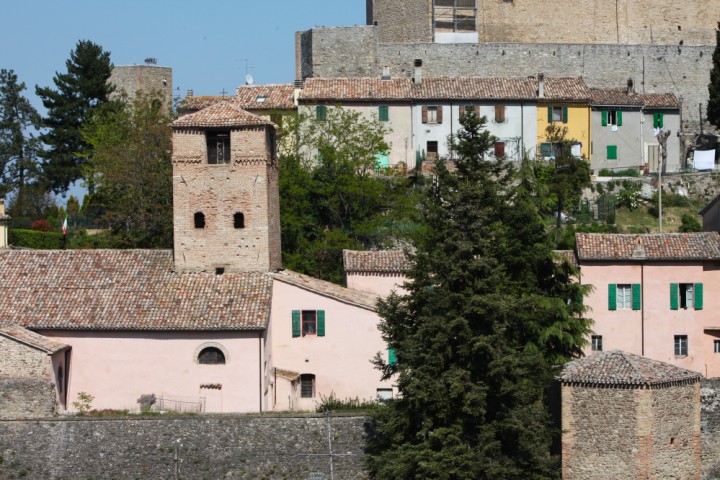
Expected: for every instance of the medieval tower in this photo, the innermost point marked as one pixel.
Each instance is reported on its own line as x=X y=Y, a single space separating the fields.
x=226 y=212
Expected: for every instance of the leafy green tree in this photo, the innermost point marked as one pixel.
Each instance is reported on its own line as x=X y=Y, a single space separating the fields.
x=690 y=223
x=489 y=315
x=132 y=168
x=77 y=94
x=18 y=146
x=331 y=195
x=73 y=209
x=713 y=107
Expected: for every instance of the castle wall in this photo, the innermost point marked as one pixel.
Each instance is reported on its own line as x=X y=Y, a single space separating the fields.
x=133 y=79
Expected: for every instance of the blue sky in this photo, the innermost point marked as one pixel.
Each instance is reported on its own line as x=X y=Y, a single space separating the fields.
x=205 y=42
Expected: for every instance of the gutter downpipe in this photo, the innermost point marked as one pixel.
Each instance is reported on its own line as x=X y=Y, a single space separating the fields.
x=642 y=308
x=260 y=369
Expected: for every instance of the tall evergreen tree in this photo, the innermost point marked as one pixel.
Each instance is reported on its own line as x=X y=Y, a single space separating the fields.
x=78 y=93
x=489 y=315
x=713 y=107
x=18 y=146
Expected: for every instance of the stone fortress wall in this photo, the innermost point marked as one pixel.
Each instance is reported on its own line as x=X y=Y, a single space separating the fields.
x=146 y=78
x=626 y=22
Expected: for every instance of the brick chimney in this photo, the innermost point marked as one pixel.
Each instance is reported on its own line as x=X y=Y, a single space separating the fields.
x=4 y=220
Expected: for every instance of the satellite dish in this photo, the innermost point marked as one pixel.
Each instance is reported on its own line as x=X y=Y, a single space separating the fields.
x=249 y=79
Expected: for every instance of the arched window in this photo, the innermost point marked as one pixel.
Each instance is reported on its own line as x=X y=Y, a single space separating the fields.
x=239 y=220
x=211 y=356
x=199 y=220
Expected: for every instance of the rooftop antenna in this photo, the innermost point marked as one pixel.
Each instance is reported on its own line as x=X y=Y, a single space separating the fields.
x=247 y=68
x=249 y=80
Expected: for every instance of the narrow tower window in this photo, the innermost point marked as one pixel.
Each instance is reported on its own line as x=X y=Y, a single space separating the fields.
x=199 y=220
x=218 y=147
x=239 y=220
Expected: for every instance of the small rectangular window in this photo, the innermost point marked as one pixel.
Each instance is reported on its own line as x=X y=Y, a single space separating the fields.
x=432 y=150
x=557 y=115
x=597 y=343
x=321 y=113
x=716 y=345
x=309 y=322
x=384 y=394
x=687 y=297
x=218 y=148
x=499 y=113
x=307 y=386
x=681 y=345
x=624 y=296
x=432 y=114
x=383 y=113
x=499 y=149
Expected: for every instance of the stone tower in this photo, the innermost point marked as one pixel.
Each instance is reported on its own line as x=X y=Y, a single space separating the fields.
x=226 y=212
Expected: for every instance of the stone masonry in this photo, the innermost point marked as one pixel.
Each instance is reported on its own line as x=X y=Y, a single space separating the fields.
x=26 y=388
x=133 y=79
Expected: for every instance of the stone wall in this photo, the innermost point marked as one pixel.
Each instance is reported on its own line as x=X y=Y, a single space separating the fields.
x=21 y=361
x=405 y=21
x=146 y=78
x=26 y=398
x=710 y=424
x=682 y=70
x=210 y=447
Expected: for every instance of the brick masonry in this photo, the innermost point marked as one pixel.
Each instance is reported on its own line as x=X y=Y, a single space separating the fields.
x=682 y=70
x=212 y=447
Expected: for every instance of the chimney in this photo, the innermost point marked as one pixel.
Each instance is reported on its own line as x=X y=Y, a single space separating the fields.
x=417 y=77
x=297 y=90
x=4 y=220
x=541 y=85
x=189 y=93
x=630 y=87
x=386 y=73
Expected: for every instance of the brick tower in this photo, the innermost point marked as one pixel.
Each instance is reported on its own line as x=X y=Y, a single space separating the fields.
x=226 y=212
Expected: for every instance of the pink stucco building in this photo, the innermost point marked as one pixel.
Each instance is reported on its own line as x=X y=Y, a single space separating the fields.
x=653 y=295
x=377 y=271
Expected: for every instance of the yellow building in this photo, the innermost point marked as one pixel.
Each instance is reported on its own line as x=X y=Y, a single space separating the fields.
x=566 y=103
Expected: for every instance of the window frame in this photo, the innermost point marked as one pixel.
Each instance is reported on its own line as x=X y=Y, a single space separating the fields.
x=499 y=149
x=211 y=355
x=500 y=113
x=626 y=295
x=596 y=343
x=320 y=113
x=681 y=346
x=217 y=136
x=457 y=19
x=432 y=155
x=716 y=346
x=686 y=296
x=307 y=385
x=432 y=114
x=383 y=113
x=308 y=325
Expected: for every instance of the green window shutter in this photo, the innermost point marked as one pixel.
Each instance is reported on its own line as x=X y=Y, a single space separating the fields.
x=698 y=296
x=384 y=114
x=612 y=152
x=636 y=296
x=321 y=323
x=550 y=114
x=612 y=296
x=660 y=120
x=604 y=118
x=674 y=288
x=296 y=323
x=655 y=120
x=565 y=114
x=619 y=118
x=392 y=358
x=321 y=112
x=546 y=149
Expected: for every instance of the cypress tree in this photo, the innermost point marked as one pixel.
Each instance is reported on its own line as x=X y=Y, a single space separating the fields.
x=489 y=315
x=713 y=107
x=78 y=93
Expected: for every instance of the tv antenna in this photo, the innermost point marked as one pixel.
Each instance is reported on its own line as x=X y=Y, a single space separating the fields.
x=249 y=80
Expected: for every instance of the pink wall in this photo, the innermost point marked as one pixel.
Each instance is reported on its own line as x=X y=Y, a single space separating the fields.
x=340 y=360
x=622 y=329
x=378 y=283
x=117 y=367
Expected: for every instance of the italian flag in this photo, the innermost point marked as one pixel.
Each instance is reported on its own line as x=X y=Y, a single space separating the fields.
x=64 y=226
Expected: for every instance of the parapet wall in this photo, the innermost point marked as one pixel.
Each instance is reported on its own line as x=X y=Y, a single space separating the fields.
x=212 y=447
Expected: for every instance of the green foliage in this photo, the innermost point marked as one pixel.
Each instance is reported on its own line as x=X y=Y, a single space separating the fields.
x=690 y=223
x=18 y=146
x=331 y=197
x=566 y=239
x=35 y=239
x=713 y=106
x=333 y=404
x=78 y=93
x=83 y=404
x=629 y=172
x=131 y=166
x=628 y=197
x=488 y=318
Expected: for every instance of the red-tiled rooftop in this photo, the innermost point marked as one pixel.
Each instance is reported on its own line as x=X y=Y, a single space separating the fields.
x=327 y=289
x=659 y=246
x=126 y=290
x=566 y=88
x=617 y=368
x=193 y=104
x=620 y=97
x=35 y=340
x=567 y=255
x=660 y=100
x=265 y=97
x=222 y=114
x=343 y=89
x=377 y=261
x=476 y=88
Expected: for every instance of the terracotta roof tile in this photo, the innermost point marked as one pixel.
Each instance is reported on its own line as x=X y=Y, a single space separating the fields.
x=661 y=246
x=382 y=261
x=568 y=255
x=222 y=114
x=615 y=97
x=621 y=368
x=321 y=287
x=23 y=335
x=476 y=88
x=566 y=88
x=358 y=89
x=126 y=290
x=193 y=104
x=660 y=100
x=265 y=97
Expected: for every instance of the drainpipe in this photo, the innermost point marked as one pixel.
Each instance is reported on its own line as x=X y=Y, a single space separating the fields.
x=522 y=130
x=260 y=370
x=642 y=308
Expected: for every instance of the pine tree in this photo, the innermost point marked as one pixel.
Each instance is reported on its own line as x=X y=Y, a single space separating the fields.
x=78 y=93
x=18 y=146
x=713 y=107
x=489 y=315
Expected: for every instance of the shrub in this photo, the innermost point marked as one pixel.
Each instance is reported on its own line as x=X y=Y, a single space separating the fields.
x=41 y=225
x=83 y=404
x=35 y=239
x=332 y=403
x=690 y=223
x=628 y=197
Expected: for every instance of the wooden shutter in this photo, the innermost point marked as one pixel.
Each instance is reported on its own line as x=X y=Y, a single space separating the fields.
x=392 y=358
x=499 y=149
x=383 y=114
x=565 y=115
x=612 y=296
x=698 y=296
x=612 y=152
x=550 y=116
x=660 y=120
x=604 y=114
x=424 y=114
x=546 y=149
x=636 y=296
x=296 y=323
x=321 y=112
x=321 y=323
x=476 y=109
x=439 y=113
x=674 y=288
x=499 y=113
x=619 y=118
